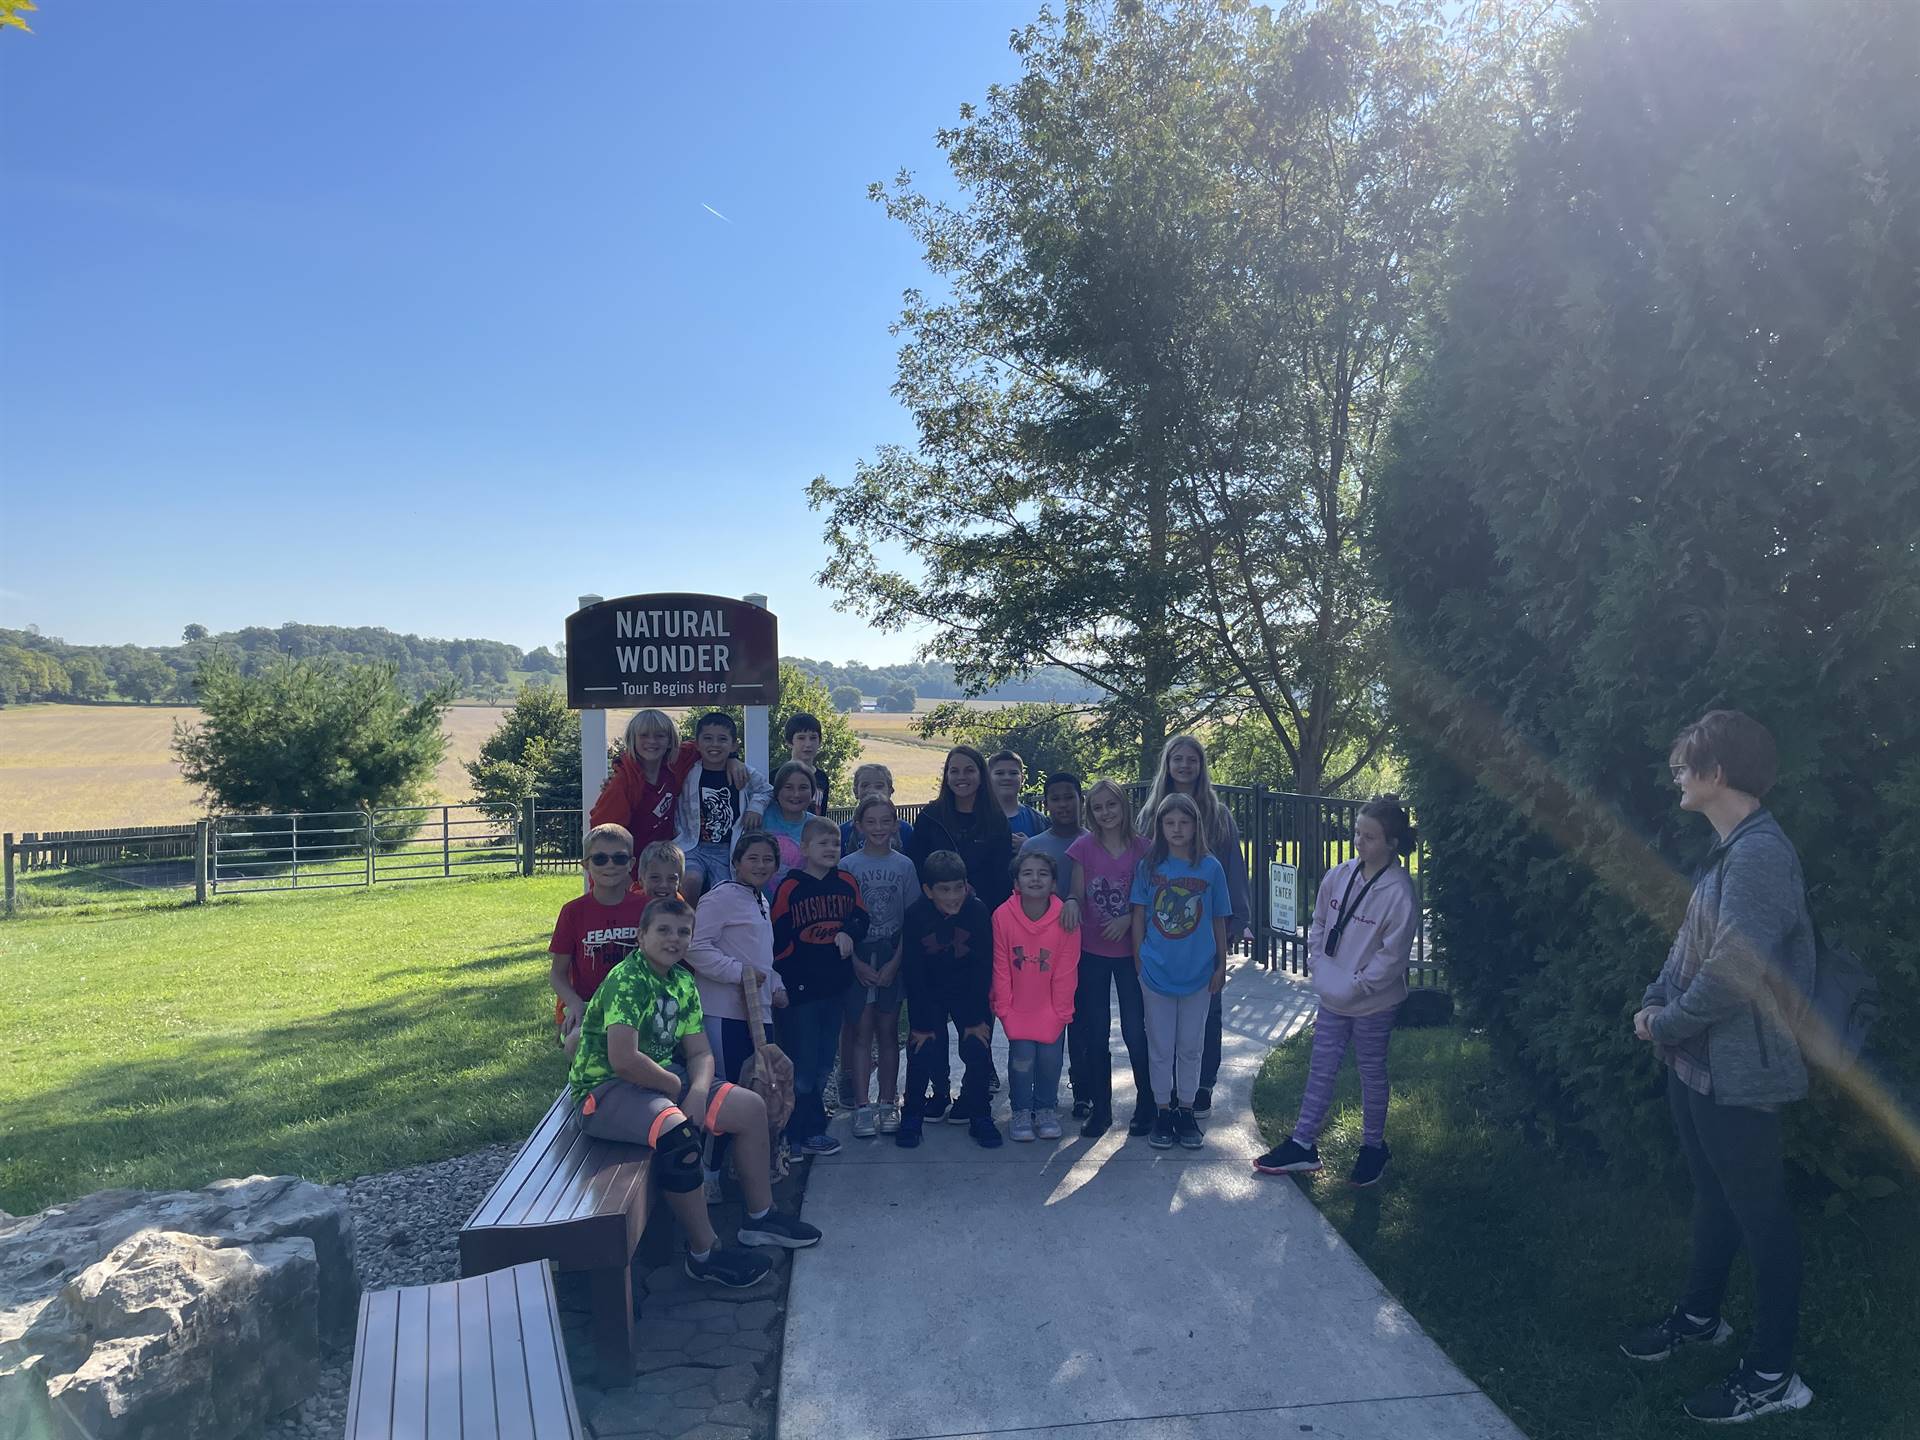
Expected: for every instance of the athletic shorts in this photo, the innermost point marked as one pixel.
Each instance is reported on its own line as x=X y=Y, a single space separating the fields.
x=714 y=862
x=620 y=1110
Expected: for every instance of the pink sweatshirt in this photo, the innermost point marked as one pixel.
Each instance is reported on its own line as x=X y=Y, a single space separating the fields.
x=1035 y=967
x=1369 y=974
x=731 y=933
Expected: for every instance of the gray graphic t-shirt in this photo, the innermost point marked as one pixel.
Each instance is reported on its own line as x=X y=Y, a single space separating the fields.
x=888 y=884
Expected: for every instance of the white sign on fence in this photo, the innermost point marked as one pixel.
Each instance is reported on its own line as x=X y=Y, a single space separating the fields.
x=1283 y=891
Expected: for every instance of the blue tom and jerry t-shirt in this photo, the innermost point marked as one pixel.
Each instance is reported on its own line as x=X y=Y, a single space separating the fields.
x=1182 y=901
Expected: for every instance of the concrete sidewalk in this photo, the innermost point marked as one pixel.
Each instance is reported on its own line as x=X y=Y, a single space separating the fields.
x=1075 y=1288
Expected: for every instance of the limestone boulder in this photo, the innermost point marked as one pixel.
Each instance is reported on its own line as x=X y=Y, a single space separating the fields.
x=168 y=1336
x=40 y=1253
x=165 y=1315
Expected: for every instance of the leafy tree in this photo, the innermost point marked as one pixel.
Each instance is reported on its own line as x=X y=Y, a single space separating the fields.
x=28 y=675
x=139 y=675
x=902 y=700
x=193 y=634
x=846 y=698
x=11 y=12
x=1195 y=245
x=87 y=678
x=543 y=660
x=800 y=692
x=1663 y=461
x=309 y=735
x=534 y=752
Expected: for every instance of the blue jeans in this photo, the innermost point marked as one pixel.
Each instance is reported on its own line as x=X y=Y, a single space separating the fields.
x=1033 y=1072
x=809 y=1031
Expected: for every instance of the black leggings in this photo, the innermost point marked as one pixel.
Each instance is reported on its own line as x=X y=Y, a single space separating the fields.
x=1090 y=1040
x=1740 y=1198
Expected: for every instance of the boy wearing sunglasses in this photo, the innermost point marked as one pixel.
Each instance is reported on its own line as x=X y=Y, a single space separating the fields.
x=597 y=930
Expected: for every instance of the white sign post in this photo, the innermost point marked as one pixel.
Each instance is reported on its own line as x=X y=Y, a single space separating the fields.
x=1283 y=897
x=593 y=757
x=756 y=741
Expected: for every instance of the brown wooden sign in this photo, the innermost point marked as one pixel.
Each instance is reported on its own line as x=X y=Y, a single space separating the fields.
x=666 y=650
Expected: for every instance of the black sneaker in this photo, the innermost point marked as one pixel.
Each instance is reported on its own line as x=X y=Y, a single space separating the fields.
x=1743 y=1395
x=985 y=1133
x=1203 y=1100
x=1290 y=1157
x=736 y=1269
x=782 y=1231
x=1142 y=1121
x=1368 y=1164
x=908 y=1135
x=1162 y=1136
x=934 y=1107
x=1672 y=1330
x=966 y=1110
x=1082 y=1109
x=1099 y=1121
x=1186 y=1129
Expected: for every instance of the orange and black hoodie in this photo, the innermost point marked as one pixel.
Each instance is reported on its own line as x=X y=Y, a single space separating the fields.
x=808 y=911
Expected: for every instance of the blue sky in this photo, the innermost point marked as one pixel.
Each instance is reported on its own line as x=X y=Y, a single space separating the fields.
x=410 y=314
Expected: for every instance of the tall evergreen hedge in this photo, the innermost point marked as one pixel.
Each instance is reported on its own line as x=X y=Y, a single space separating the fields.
x=1664 y=458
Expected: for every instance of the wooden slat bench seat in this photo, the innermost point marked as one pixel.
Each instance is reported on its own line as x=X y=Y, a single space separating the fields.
x=479 y=1359
x=579 y=1202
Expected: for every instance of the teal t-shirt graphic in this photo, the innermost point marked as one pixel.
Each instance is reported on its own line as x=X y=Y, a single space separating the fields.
x=1182 y=901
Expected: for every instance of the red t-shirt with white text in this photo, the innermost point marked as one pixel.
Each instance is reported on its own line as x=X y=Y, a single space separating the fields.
x=596 y=937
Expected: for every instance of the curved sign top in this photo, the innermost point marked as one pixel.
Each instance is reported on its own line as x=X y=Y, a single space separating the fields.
x=667 y=650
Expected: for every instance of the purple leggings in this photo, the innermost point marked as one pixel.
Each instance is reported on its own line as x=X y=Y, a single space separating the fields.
x=1332 y=1033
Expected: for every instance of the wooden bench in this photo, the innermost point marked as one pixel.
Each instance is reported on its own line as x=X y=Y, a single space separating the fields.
x=581 y=1203
x=479 y=1359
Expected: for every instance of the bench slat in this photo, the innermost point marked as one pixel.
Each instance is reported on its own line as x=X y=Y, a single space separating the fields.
x=479 y=1413
x=541 y=1340
x=370 y=1406
x=443 y=1364
x=512 y=1398
x=410 y=1370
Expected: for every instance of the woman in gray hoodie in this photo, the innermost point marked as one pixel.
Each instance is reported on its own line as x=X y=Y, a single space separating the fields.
x=1722 y=1017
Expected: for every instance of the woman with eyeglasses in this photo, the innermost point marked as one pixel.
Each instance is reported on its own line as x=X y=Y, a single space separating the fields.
x=1361 y=942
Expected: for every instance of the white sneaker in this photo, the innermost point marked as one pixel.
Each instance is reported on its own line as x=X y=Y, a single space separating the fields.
x=1046 y=1124
x=863 y=1123
x=889 y=1119
x=1021 y=1126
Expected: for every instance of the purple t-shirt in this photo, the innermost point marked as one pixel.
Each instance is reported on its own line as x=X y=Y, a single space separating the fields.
x=1109 y=884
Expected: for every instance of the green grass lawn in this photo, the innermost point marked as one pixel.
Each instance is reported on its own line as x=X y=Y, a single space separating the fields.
x=1524 y=1262
x=326 y=1035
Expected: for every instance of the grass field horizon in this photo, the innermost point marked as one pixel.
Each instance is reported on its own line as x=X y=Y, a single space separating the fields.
x=95 y=767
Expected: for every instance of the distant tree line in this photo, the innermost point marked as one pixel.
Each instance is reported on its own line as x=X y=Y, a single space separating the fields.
x=36 y=667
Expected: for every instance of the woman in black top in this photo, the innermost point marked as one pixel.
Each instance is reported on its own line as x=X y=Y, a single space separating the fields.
x=964 y=819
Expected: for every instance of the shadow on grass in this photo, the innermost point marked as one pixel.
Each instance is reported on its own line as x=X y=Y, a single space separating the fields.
x=434 y=1071
x=1525 y=1261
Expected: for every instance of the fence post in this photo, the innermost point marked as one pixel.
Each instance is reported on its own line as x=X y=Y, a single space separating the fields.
x=446 y=846
x=366 y=818
x=9 y=867
x=1262 y=890
x=200 y=862
x=526 y=836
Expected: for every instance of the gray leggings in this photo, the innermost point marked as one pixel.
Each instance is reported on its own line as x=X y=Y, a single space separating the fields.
x=1176 y=1033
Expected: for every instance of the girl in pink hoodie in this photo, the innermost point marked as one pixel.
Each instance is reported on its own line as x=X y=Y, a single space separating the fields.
x=1361 y=943
x=1036 y=964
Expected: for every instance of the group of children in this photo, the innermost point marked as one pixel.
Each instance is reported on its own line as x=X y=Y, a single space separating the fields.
x=834 y=927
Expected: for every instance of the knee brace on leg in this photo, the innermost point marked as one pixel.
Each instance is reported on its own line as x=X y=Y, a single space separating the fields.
x=676 y=1152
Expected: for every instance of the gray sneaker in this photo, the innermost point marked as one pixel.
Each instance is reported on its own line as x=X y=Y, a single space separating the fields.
x=1020 y=1127
x=1046 y=1124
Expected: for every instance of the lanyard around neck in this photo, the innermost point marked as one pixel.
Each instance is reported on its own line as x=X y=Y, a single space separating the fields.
x=1347 y=909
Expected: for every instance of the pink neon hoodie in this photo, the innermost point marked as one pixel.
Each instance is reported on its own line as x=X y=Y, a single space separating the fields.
x=1369 y=974
x=1035 y=966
